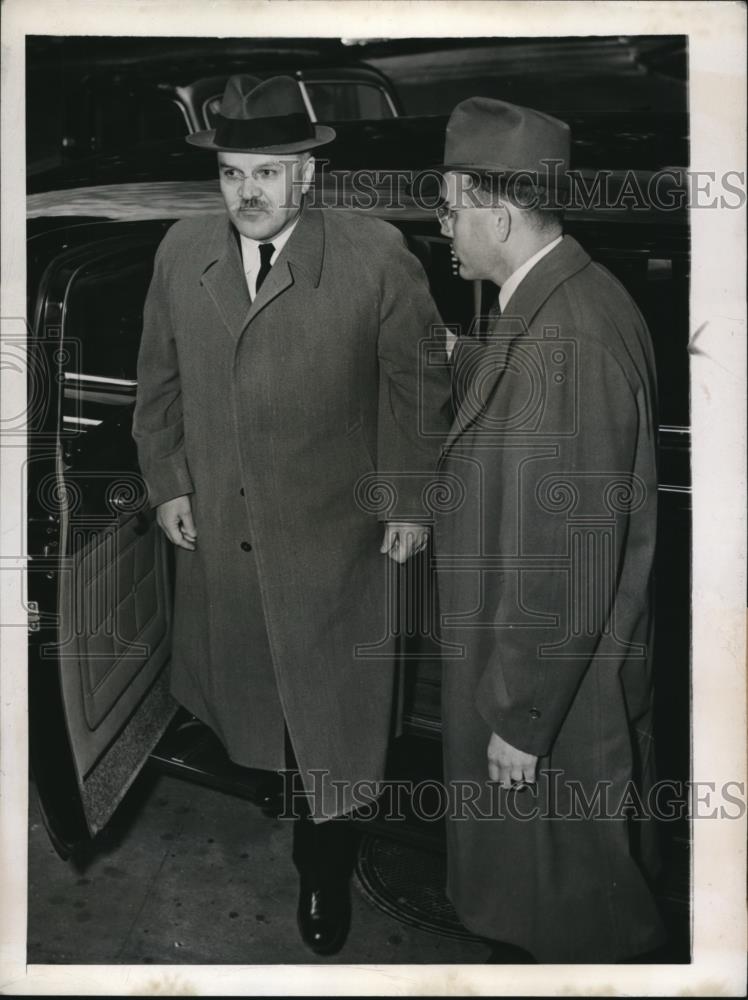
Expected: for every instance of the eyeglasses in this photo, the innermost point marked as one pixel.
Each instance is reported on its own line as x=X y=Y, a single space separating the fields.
x=445 y=214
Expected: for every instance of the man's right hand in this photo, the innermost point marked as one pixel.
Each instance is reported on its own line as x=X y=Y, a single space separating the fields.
x=175 y=519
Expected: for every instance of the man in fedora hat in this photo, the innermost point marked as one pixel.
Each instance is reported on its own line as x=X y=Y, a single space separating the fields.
x=278 y=378
x=545 y=568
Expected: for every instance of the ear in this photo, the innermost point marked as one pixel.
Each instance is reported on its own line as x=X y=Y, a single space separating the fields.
x=503 y=221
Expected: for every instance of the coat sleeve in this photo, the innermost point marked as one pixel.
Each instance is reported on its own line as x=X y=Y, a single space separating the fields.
x=414 y=412
x=534 y=672
x=157 y=422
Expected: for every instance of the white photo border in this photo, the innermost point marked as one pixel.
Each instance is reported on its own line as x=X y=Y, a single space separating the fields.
x=717 y=58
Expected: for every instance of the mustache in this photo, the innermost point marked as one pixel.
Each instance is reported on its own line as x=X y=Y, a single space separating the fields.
x=251 y=203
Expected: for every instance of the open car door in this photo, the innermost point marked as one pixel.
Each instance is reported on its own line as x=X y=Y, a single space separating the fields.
x=99 y=567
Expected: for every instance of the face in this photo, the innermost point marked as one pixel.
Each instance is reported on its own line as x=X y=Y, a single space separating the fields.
x=262 y=191
x=476 y=230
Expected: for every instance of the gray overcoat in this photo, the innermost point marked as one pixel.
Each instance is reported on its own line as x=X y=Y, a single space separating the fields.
x=273 y=415
x=545 y=582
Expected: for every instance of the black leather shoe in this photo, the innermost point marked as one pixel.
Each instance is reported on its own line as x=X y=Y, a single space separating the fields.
x=324 y=915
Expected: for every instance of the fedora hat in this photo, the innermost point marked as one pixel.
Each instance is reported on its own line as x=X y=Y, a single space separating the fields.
x=485 y=135
x=263 y=116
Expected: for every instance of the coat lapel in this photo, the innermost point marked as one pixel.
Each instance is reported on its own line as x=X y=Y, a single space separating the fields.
x=301 y=257
x=224 y=279
x=531 y=294
x=543 y=280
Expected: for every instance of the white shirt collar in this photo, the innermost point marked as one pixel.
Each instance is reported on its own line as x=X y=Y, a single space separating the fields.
x=510 y=285
x=251 y=253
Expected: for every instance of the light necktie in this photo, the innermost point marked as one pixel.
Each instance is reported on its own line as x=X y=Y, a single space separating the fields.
x=266 y=252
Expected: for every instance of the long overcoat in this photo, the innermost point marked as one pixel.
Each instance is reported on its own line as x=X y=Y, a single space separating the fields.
x=545 y=564
x=274 y=415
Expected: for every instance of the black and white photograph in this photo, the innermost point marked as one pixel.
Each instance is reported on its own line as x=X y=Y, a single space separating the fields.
x=373 y=498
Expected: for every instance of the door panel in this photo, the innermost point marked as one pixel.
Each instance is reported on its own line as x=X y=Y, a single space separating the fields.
x=115 y=615
x=107 y=638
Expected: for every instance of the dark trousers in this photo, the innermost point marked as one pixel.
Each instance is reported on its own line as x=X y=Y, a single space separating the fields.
x=322 y=852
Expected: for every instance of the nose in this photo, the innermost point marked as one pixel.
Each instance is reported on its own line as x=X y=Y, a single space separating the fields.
x=249 y=189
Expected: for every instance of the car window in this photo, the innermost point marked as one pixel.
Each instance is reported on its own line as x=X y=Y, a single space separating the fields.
x=341 y=100
x=211 y=108
x=331 y=100
x=104 y=319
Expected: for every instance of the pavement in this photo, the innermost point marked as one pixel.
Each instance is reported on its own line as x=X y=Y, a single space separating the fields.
x=186 y=874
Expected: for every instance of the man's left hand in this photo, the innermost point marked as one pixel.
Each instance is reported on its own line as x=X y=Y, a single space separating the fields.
x=403 y=538
x=508 y=765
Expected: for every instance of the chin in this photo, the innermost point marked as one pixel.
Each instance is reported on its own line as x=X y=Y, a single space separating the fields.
x=259 y=230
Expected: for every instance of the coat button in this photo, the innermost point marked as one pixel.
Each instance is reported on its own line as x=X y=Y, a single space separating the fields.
x=241 y=492
x=246 y=547
x=534 y=713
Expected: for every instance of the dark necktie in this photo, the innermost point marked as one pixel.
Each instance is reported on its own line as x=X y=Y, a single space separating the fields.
x=489 y=317
x=494 y=313
x=266 y=252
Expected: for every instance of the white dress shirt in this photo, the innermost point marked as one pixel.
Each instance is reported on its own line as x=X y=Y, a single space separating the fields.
x=251 y=255
x=510 y=285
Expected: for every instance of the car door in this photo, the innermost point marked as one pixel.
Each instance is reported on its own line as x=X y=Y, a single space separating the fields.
x=99 y=570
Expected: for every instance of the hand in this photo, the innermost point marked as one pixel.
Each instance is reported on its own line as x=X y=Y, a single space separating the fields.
x=403 y=538
x=175 y=519
x=508 y=765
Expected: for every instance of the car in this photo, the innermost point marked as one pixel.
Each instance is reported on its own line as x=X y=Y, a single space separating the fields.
x=124 y=95
x=91 y=96
x=100 y=570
